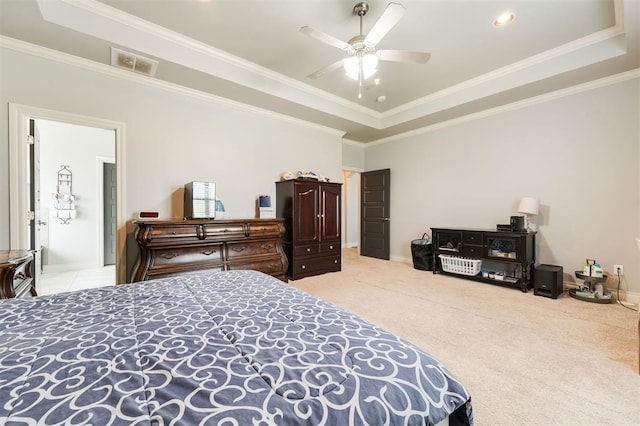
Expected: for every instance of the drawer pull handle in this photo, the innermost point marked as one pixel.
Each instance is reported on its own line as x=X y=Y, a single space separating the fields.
x=266 y=247
x=335 y=261
x=308 y=249
x=330 y=247
x=208 y=252
x=200 y=232
x=169 y=255
x=238 y=249
x=303 y=267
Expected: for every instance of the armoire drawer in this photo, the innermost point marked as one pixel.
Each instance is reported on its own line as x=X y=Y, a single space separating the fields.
x=330 y=248
x=318 y=264
x=306 y=250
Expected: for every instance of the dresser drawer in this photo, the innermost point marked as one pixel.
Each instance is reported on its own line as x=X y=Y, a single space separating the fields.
x=212 y=254
x=181 y=270
x=306 y=250
x=159 y=234
x=252 y=248
x=257 y=229
x=223 y=230
x=272 y=266
x=22 y=281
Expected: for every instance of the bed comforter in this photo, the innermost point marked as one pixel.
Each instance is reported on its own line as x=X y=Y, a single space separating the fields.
x=235 y=348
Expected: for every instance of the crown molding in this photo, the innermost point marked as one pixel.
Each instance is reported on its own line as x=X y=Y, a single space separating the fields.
x=105 y=22
x=111 y=71
x=584 y=87
x=108 y=23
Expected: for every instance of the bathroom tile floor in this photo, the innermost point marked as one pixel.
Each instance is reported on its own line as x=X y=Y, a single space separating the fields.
x=60 y=282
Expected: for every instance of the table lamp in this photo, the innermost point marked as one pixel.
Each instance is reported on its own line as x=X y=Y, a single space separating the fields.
x=529 y=207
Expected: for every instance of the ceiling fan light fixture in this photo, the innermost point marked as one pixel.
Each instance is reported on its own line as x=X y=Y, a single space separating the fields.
x=369 y=64
x=504 y=19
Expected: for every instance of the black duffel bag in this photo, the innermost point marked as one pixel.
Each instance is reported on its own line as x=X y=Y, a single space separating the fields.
x=422 y=253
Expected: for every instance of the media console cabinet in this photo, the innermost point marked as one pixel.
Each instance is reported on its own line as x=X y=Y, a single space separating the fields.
x=512 y=253
x=171 y=247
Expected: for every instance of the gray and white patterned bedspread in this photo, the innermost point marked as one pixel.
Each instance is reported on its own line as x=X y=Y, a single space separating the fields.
x=232 y=348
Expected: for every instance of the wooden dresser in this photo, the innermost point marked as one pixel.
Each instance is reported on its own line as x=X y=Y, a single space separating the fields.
x=16 y=277
x=173 y=247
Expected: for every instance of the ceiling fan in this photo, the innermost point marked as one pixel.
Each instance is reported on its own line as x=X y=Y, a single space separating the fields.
x=362 y=59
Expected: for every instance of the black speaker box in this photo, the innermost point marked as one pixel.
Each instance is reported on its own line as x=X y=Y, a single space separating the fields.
x=547 y=281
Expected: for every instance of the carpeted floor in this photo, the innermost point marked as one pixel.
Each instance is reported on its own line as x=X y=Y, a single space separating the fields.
x=525 y=359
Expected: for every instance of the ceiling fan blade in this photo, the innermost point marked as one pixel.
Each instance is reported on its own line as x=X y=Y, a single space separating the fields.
x=329 y=68
x=325 y=38
x=389 y=18
x=403 y=56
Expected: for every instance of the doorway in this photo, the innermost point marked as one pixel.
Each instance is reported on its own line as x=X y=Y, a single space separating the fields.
x=75 y=148
x=351 y=208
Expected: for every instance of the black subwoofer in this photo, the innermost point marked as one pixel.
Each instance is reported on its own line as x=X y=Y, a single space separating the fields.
x=547 y=281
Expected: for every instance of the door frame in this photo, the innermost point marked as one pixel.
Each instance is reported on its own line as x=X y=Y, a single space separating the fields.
x=347 y=193
x=18 y=169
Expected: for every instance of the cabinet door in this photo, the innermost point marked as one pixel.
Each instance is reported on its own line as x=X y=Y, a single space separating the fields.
x=330 y=212
x=306 y=212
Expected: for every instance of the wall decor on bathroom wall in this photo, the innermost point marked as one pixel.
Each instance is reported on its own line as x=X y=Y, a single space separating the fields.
x=63 y=203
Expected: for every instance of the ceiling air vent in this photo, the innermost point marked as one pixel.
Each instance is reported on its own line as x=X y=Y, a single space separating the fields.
x=133 y=62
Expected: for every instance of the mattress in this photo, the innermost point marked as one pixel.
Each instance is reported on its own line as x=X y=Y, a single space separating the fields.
x=234 y=347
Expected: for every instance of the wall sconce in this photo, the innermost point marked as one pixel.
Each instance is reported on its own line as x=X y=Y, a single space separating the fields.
x=529 y=206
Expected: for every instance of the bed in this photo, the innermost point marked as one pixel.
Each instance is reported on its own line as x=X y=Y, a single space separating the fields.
x=233 y=348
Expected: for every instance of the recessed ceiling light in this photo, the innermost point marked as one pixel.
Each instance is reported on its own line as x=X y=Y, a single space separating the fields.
x=504 y=19
x=381 y=98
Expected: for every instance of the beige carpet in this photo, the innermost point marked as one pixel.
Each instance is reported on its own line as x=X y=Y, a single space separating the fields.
x=525 y=359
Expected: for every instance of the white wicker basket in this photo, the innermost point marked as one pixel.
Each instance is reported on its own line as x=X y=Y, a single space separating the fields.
x=459 y=265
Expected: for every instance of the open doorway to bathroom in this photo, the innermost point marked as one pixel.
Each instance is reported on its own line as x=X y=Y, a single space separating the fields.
x=68 y=178
x=75 y=164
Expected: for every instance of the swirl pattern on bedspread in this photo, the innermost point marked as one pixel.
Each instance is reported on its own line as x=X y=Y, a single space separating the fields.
x=236 y=347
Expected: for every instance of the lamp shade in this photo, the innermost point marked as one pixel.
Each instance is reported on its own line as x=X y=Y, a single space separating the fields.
x=529 y=205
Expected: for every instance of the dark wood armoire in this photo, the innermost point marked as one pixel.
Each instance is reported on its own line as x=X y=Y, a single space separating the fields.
x=312 y=213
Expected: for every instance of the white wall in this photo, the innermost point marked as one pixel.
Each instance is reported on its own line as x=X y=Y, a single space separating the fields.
x=578 y=154
x=170 y=138
x=78 y=147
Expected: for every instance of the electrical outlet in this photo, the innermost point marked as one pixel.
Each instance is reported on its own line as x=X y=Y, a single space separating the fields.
x=618 y=269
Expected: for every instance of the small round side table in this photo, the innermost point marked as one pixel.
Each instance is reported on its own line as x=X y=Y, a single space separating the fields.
x=590 y=282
